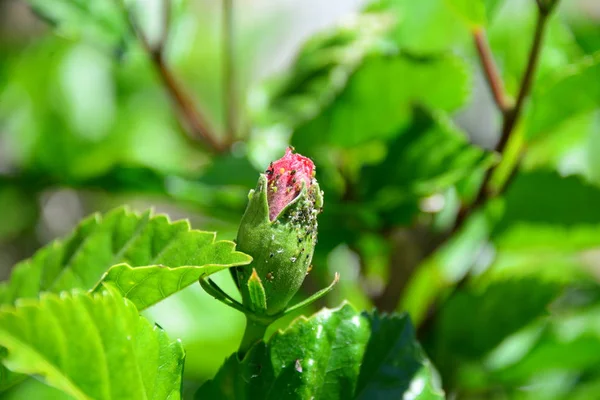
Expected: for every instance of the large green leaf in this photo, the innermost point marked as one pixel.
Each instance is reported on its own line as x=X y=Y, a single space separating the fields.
x=335 y=354
x=91 y=347
x=130 y=240
x=350 y=85
x=102 y=21
x=378 y=100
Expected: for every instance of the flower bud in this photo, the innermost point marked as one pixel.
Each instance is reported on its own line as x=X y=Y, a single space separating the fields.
x=279 y=230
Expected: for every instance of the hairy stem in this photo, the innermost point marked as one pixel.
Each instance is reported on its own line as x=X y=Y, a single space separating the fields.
x=511 y=117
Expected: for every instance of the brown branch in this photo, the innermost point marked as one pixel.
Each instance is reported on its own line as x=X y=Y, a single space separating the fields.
x=193 y=119
x=526 y=81
x=490 y=70
x=511 y=117
x=198 y=127
x=230 y=95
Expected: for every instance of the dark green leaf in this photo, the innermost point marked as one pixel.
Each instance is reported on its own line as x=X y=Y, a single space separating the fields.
x=91 y=347
x=430 y=156
x=477 y=319
x=335 y=354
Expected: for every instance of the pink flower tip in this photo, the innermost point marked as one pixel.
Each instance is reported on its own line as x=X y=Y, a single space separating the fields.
x=285 y=177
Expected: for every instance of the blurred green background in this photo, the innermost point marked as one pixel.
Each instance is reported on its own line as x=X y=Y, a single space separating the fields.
x=389 y=99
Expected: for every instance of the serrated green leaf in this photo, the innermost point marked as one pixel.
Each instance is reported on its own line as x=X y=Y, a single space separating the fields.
x=103 y=22
x=91 y=347
x=130 y=240
x=335 y=354
x=572 y=91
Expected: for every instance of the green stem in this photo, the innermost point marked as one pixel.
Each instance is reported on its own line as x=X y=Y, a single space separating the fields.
x=254 y=332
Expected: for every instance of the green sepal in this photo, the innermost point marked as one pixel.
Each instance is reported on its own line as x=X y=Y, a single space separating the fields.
x=258 y=298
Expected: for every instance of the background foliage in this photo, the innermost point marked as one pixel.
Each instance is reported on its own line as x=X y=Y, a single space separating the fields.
x=159 y=104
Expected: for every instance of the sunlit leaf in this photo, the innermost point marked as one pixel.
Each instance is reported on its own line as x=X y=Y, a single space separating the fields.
x=91 y=347
x=130 y=240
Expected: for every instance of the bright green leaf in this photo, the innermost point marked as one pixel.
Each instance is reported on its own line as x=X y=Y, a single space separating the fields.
x=91 y=347
x=130 y=240
x=335 y=354
x=378 y=99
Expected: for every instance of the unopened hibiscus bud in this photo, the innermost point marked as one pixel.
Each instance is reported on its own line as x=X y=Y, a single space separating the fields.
x=279 y=230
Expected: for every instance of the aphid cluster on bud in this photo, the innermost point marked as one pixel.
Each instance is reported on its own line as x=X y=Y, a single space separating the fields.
x=279 y=229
